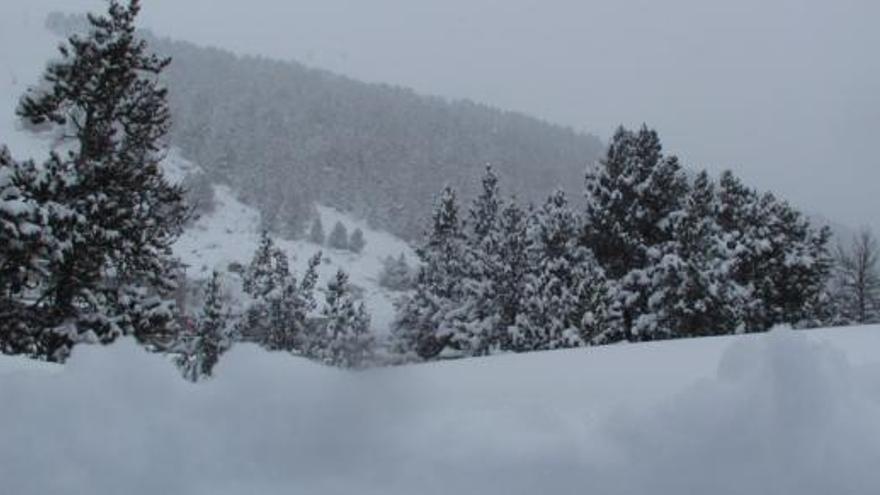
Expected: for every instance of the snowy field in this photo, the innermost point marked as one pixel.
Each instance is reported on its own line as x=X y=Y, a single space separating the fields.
x=783 y=413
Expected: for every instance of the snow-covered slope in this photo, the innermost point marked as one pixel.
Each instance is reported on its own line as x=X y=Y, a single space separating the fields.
x=230 y=234
x=787 y=412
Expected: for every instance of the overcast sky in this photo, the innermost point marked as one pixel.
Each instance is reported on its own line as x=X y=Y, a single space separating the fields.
x=786 y=93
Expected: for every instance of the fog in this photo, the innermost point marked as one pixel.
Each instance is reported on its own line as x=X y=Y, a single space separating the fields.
x=783 y=92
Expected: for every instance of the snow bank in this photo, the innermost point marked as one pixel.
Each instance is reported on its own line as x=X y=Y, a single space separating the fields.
x=780 y=413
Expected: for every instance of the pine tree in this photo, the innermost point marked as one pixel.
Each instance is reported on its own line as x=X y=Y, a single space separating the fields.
x=513 y=253
x=565 y=301
x=338 y=238
x=693 y=293
x=357 y=243
x=278 y=314
x=480 y=328
x=268 y=270
x=212 y=337
x=316 y=234
x=345 y=340
x=632 y=199
x=396 y=273
x=110 y=207
x=427 y=319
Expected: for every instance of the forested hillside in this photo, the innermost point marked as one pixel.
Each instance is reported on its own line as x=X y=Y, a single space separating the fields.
x=285 y=135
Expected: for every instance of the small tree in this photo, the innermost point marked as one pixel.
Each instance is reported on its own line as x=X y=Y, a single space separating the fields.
x=345 y=340
x=357 y=242
x=316 y=234
x=338 y=237
x=211 y=338
x=396 y=274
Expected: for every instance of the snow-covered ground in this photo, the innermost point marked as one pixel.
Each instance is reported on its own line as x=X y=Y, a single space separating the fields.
x=787 y=412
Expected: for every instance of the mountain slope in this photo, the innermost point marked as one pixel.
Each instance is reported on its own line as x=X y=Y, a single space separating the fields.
x=287 y=136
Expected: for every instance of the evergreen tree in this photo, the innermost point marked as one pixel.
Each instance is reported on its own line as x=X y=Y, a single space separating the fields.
x=396 y=273
x=778 y=259
x=316 y=234
x=632 y=199
x=565 y=301
x=211 y=338
x=692 y=293
x=268 y=270
x=278 y=313
x=338 y=237
x=480 y=329
x=427 y=319
x=513 y=253
x=356 y=243
x=112 y=213
x=345 y=340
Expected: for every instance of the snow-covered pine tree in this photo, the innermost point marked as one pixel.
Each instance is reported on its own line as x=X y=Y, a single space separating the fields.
x=396 y=273
x=632 y=198
x=345 y=338
x=513 y=252
x=426 y=320
x=26 y=242
x=798 y=267
x=212 y=337
x=565 y=299
x=479 y=327
x=693 y=293
x=357 y=242
x=338 y=238
x=780 y=261
x=316 y=233
x=268 y=271
x=103 y=101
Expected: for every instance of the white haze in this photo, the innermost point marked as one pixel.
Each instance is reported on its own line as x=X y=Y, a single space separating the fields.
x=783 y=92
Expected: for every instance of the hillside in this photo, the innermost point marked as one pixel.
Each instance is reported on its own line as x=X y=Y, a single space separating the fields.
x=229 y=232
x=286 y=136
x=785 y=412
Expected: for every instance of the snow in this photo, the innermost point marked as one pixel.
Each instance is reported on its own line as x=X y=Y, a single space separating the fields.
x=785 y=412
x=231 y=233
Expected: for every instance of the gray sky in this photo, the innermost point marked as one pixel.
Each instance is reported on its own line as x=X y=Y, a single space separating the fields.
x=783 y=92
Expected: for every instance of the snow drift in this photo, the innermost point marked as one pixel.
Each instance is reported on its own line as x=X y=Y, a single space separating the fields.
x=787 y=412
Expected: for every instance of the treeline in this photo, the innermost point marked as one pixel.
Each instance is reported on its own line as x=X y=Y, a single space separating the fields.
x=286 y=136
x=653 y=254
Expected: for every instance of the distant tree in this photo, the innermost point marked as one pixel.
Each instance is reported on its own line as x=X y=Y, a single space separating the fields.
x=277 y=316
x=316 y=234
x=345 y=339
x=113 y=214
x=268 y=270
x=357 y=242
x=211 y=338
x=857 y=279
x=396 y=273
x=338 y=237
